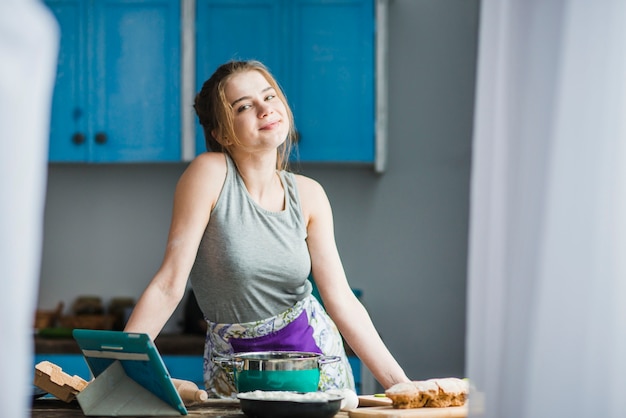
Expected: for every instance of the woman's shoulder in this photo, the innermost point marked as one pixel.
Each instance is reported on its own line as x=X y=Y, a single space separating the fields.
x=313 y=199
x=211 y=157
x=211 y=162
x=207 y=170
x=308 y=186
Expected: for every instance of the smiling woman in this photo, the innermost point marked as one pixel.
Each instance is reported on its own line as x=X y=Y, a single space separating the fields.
x=248 y=234
x=217 y=117
x=260 y=118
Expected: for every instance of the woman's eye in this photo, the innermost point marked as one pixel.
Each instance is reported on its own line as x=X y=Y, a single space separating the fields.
x=270 y=97
x=243 y=107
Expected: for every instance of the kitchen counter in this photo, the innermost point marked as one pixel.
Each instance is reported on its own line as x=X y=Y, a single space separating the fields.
x=54 y=408
x=176 y=344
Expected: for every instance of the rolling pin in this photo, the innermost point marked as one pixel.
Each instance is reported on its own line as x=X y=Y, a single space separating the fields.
x=189 y=391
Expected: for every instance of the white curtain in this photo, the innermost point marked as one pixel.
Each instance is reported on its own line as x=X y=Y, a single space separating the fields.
x=28 y=55
x=547 y=263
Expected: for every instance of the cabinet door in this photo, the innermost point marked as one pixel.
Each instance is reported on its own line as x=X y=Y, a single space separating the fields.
x=68 y=127
x=118 y=81
x=136 y=80
x=322 y=54
x=240 y=30
x=332 y=84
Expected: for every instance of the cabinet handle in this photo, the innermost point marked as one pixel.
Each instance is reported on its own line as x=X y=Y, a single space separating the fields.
x=78 y=138
x=101 y=138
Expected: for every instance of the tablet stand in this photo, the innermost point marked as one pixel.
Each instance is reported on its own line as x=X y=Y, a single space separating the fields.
x=114 y=393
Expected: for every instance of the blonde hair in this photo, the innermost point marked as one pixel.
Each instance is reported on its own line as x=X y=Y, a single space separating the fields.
x=216 y=116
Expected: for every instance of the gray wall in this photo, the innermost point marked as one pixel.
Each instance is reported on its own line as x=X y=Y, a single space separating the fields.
x=402 y=235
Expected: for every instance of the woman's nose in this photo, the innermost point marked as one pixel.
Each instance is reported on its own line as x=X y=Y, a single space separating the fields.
x=264 y=109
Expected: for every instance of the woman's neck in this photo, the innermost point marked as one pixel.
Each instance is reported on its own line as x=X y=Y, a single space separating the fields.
x=262 y=181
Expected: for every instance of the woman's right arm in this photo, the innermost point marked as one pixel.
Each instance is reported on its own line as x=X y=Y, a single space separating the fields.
x=196 y=194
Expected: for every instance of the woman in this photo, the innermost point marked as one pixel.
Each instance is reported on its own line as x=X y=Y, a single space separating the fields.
x=248 y=233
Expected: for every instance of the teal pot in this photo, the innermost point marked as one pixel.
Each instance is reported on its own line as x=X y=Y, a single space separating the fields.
x=276 y=370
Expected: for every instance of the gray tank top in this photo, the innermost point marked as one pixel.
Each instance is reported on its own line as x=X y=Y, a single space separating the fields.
x=251 y=263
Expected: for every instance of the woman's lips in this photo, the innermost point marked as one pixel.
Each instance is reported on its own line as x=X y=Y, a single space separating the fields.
x=270 y=126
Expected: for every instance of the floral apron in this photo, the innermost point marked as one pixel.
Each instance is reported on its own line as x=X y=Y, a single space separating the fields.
x=304 y=327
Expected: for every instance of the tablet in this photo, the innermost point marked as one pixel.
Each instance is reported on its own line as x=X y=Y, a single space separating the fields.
x=137 y=355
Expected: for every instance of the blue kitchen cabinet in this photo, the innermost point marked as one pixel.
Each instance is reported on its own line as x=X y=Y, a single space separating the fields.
x=332 y=79
x=117 y=93
x=322 y=53
x=239 y=29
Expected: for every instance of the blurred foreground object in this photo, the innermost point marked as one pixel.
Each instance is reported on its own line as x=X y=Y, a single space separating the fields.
x=29 y=41
x=546 y=290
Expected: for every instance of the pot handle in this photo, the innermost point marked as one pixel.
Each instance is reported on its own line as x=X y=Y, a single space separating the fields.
x=228 y=363
x=327 y=359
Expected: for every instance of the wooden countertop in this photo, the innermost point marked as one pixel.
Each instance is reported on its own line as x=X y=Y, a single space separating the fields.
x=54 y=408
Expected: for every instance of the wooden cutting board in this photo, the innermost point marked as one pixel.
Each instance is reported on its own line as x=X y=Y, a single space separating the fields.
x=390 y=412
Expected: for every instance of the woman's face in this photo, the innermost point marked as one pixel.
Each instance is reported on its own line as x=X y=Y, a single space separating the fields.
x=260 y=118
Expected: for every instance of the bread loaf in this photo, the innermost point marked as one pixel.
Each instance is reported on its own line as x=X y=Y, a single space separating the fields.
x=431 y=393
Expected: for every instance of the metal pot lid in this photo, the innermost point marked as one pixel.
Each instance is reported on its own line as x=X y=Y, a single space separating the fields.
x=276 y=355
x=275 y=360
